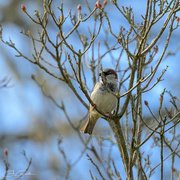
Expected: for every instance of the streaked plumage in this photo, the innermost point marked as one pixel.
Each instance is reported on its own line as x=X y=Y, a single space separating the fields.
x=103 y=95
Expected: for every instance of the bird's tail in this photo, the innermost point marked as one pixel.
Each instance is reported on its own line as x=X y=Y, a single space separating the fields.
x=88 y=127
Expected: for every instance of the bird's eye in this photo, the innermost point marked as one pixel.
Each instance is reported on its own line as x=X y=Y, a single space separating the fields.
x=107 y=72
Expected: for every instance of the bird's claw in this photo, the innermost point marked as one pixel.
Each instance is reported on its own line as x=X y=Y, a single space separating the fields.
x=94 y=107
x=111 y=115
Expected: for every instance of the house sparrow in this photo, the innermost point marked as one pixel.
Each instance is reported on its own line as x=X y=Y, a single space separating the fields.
x=103 y=96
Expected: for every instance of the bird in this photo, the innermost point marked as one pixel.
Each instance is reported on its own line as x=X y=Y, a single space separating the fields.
x=104 y=98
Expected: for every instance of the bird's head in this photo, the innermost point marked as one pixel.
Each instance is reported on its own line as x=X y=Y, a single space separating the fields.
x=109 y=76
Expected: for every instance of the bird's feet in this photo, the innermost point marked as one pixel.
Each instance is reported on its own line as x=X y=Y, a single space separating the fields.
x=111 y=115
x=94 y=107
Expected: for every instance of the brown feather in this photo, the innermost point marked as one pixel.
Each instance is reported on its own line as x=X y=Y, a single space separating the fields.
x=88 y=127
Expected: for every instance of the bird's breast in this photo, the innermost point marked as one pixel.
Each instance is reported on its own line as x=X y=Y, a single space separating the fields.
x=104 y=99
